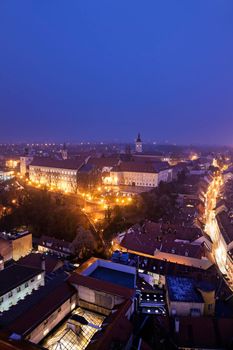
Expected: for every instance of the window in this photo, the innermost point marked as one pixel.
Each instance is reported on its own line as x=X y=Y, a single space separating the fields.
x=18 y=289
x=26 y=285
x=33 y=279
x=10 y=295
x=39 y=277
x=1 y=300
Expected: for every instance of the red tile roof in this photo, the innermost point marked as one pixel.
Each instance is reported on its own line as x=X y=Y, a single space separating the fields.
x=103 y=162
x=200 y=332
x=149 y=237
x=72 y=164
x=137 y=166
x=35 y=260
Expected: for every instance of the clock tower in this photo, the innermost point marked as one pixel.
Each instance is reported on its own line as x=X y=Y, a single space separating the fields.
x=138 y=144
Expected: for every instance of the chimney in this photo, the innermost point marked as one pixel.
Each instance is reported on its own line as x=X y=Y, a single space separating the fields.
x=177 y=325
x=43 y=263
x=1 y=263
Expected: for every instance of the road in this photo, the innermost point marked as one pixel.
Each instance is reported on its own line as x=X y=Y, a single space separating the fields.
x=211 y=228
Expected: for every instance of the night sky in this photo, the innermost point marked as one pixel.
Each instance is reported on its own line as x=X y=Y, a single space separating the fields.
x=101 y=70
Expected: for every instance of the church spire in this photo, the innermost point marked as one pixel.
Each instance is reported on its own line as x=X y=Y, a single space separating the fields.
x=138 y=144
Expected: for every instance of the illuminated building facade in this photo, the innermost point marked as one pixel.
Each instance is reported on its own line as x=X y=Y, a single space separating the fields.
x=139 y=174
x=24 y=164
x=56 y=174
x=15 y=245
x=16 y=282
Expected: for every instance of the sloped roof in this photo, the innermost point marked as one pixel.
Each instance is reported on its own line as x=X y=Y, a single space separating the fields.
x=71 y=164
x=15 y=275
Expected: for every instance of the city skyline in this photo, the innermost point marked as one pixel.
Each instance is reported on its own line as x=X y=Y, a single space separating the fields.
x=100 y=72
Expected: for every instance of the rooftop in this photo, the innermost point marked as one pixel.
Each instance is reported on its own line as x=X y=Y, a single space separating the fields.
x=42 y=309
x=35 y=259
x=14 y=275
x=24 y=305
x=141 y=166
x=225 y=225
x=106 y=276
x=72 y=164
x=200 y=332
x=183 y=289
x=119 y=277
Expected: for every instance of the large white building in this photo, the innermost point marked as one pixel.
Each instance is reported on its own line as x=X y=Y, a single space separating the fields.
x=143 y=174
x=57 y=174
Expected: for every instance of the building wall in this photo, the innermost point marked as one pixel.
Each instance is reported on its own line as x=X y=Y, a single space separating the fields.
x=59 y=253
x=94 y=299
x=135 y=178
x=203 y=263
x=6 y=249
x=184 y=308
x=165 y=175
x=6 y=175
x=50 y=322
x=21 y=246
x=24 y=163
x=209 y=300
x=62 y=179
x=12 y=297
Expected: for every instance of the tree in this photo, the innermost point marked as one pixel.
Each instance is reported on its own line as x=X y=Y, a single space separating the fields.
x=84 y=243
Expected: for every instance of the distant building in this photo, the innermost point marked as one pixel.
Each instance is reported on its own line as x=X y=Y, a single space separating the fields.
x=12 y=162
x=64 y=152
x=6 y=174
x=15 y=245
x=17 y=281
x=24 y=164
x=138 y=144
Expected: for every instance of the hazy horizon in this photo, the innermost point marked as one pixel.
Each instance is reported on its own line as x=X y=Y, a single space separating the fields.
x=104 y=70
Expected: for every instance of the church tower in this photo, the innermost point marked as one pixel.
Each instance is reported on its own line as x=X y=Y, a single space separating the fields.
x=138 y=144
x=64 y=152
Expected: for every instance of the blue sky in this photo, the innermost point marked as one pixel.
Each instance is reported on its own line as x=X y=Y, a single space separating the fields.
x=103 y=70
